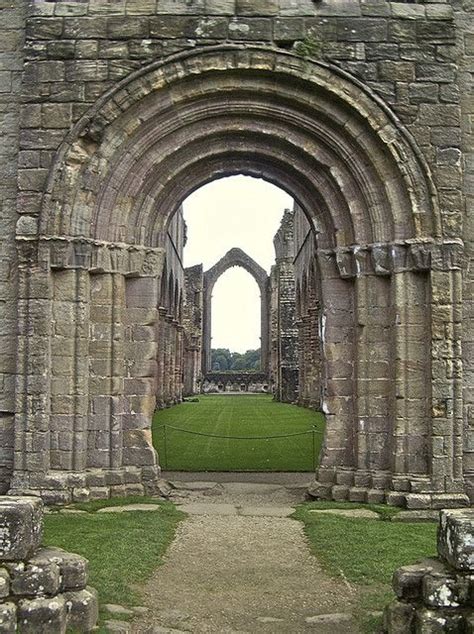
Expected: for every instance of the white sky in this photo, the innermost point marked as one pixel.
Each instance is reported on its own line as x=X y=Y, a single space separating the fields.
x=238 y=211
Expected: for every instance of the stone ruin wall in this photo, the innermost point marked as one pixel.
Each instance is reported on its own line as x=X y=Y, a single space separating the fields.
x=283 y=328
x=170 y=329
x=309 y=315
x=58 y=59
x=192 y=323
x=222 y=382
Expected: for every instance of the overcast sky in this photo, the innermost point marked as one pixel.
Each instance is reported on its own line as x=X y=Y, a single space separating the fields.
x=238 y=211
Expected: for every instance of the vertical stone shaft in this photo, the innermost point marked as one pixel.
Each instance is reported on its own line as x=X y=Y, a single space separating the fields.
x=33 y=390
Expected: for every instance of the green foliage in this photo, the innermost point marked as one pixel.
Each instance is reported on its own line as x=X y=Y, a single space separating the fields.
x=309 y=47
x=223 y=360
x=123 y=549
x=231 y=416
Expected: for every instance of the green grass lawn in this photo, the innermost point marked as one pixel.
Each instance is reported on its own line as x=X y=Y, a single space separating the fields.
x=123 y=549
x=242 y=416
x=366 y=552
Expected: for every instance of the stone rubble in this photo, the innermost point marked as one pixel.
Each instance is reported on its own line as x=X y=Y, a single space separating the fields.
x=436 y=595
x=42 y=590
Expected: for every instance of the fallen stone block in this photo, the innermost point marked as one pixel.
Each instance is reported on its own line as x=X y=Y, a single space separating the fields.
x=407 y=582
x=37 y=577
x=436 y=622
x=42 y=616
x=399 y=618
x=7 y=617
x=444 y=590
x=456 y=538
x=21 y=527
x=82 y=609
x=73 y=568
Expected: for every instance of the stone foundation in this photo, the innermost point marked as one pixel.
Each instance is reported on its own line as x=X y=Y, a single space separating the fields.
x=42 y=590
x=95 y=484
x=435 y=595
x=410 y=491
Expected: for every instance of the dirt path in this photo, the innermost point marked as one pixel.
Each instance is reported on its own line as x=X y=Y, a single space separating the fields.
x=235 y=568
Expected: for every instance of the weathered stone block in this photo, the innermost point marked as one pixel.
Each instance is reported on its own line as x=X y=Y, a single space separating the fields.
x=362 y=30
x=399 y=618
x=436 y=622
x=37 y=577
x=4 y=583
x=443 y=590
x=8 y=618
x=407 y=581
x=250 y=29
x=42 y=616
x=82 y=609
x=456 y=538
x=72 y=568
x=21 y=527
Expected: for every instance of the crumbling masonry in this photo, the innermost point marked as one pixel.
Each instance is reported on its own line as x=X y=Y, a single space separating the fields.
x=111 y=113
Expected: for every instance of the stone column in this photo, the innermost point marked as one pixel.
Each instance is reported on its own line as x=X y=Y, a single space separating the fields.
x=411 y=420
x=374 y=386
x=141 y=352
x=33 y=387
x=70 y=379
x=338 y=403
x=160 y=395
x=447 y=410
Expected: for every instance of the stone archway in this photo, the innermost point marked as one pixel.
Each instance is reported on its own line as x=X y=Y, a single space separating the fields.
x=236 y=257
x=385 y=271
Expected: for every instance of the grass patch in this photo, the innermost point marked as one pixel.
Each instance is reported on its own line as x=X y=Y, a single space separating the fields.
x=366 y=552
x=123 y=549
x=232 y=416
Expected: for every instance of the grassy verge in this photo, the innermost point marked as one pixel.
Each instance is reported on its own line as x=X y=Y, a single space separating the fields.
x=123 y=549
x=366 y=552
x=232 y=416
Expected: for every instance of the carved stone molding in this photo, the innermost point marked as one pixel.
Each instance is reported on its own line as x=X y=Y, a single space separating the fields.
x=385 y=259
x=92 y=255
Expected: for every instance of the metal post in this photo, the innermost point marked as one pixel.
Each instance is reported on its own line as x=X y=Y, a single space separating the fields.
x=165 y=456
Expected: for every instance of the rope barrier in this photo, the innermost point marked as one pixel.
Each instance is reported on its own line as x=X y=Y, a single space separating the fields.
x=197 y=433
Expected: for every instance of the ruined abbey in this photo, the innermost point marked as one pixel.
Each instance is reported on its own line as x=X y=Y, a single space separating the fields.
x=112 y=112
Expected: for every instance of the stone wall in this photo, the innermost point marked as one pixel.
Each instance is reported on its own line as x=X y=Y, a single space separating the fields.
x=128 y=107
x=12 y=37
x=169 y=333
x=435 y=595
x=309 y=316
x=193 y=328
x=42 y=590
x=283 y=330
x=221 y=382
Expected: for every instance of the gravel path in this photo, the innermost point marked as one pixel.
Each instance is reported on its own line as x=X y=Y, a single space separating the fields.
x=237 y=573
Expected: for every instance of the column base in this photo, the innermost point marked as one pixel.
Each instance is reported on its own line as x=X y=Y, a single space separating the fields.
x=410 y=491
x=65 y=487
